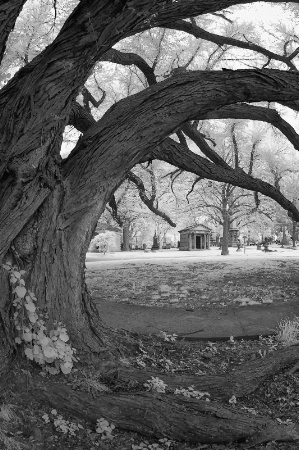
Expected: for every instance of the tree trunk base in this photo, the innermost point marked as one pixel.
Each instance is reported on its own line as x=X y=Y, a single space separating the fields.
x=171 y=416
x=175 y=416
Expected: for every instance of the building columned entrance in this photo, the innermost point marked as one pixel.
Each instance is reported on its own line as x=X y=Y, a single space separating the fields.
x=195 y=238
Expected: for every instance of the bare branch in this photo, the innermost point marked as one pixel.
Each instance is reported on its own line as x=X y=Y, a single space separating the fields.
x=252 y=154
x=197 y=89
x=223 y=17
x=129 y=59
x=89 y=98
x=200 y=33
x=197 y=179
x=171 y=152
x=245 y=111
x=148 y=202
x=295 y=53
x=197 y=138
x=235 y=145
x=158 y=54
x=114 y=211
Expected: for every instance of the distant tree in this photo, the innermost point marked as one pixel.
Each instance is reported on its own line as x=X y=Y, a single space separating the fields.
x=136 y=199
x=223 y=203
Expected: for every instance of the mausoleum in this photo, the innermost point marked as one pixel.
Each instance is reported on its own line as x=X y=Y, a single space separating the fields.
x=196 y=237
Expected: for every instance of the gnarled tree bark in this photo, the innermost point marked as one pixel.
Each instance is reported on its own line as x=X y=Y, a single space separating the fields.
x=177 y=417
x=49 y=207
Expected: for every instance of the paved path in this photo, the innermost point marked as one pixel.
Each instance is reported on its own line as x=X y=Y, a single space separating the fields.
x=209 y=324
x=204 y=323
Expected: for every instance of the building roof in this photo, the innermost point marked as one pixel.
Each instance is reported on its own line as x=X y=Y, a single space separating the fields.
x=199 y=227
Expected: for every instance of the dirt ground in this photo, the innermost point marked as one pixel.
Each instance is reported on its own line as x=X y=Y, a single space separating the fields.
x=180 y=282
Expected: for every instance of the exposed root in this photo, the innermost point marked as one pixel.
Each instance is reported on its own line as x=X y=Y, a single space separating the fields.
x=174 y=417
x=240 y=382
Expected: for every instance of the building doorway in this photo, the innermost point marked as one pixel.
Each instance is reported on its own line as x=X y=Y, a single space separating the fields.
x=198 y=242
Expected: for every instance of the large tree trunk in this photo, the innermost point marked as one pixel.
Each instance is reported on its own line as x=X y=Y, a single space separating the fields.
x=126 y=238
x=226 y=221
x=53 y=257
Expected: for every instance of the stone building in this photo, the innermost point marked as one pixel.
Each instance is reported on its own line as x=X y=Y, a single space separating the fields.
x=195 y=238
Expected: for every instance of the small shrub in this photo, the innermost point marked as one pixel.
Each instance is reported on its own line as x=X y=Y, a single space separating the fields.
x=288 y=331
x=102 y=242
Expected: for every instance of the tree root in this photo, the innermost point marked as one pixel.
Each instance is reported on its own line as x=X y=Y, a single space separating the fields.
x=171 y=416
x=239 y=382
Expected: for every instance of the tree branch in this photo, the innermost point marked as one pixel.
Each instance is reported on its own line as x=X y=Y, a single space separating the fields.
x=200 y=33
x=89 y=98
x=129 y=59
x=148 y=202
x=171 y=152
x=197 y=138
x=245 y=111
x=132 y=126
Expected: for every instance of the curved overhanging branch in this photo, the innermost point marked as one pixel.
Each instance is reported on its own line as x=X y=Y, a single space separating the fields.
x=139 y=123
x=81 y=119
x=90 y=31
x=237 y=111
x=172 y=152
x=200 y=33
x=129 y=59
x=251 y=112
x=168 y=12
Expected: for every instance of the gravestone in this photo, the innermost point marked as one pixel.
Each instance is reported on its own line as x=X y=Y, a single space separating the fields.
x=155 y=242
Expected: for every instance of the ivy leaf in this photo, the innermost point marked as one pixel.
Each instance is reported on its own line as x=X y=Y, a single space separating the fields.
x=52 y=370
x=36 y=350
x=49 y=360
x=43 y=339
x=32 y=316
x=20 y=291
x=28 y=353
x=27 y=337
x=18 y=340
x=30 y=307
x=50 y=352
x=66 y=368
x=63 y=337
